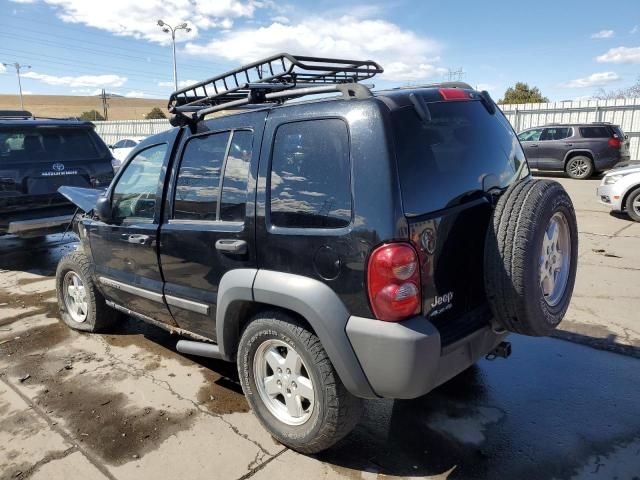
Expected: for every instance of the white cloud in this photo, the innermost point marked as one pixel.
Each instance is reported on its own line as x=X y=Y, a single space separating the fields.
x=603 y=34
x=621 y=55
x=137 y=94
x=87 y=92
x=593 y=80
x=79 y=81
x=139 y=19
x=634 y=30
x=280 y=19
x=181 y=83
x=405 y=55
x=3 y=69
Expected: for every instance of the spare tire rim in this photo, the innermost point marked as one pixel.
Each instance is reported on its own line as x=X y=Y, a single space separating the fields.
x=75 y=297
x=283 y=382
x=579 y=167
x=555 y=258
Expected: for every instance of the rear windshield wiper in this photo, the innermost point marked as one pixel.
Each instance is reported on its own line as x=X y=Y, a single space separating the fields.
x=421 y=108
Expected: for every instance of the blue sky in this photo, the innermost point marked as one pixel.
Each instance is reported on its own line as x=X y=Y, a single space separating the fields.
x=567 y=48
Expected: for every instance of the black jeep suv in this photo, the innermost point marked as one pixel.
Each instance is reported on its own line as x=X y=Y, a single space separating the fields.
x=37 y=156
x=579 y=149
x=356 y=246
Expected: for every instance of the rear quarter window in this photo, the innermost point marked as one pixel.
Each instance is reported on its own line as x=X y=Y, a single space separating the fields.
x=595 y=132
x=462 y=151
x=310 y=181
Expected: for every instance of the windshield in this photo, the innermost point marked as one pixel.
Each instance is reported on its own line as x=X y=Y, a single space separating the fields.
x=462 y=151
x=29 y=144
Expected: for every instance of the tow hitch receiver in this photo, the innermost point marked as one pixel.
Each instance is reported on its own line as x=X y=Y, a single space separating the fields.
x=503 y=350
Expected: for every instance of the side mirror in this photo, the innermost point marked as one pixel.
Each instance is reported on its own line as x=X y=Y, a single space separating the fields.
x=111 y=146
x=103 y=209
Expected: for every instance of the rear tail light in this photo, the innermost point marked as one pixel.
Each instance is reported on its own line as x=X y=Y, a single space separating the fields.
x=454 y=94
x=615 y=142
x=393 y=282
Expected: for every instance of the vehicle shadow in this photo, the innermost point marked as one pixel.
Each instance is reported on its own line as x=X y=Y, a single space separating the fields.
x=39 y=255
x=621 y=216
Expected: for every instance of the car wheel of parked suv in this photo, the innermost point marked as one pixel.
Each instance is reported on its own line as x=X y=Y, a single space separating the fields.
x=579 y=167
x=531 y=256
x=291 y=384
x=82 y=306
x=633 y=205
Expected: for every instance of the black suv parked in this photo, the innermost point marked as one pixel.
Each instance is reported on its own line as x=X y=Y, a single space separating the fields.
x=578 y=149
x=37 y=156
x=359 y=246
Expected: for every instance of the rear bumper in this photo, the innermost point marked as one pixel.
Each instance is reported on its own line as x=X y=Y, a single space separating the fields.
x=36 y=226
x=407 y=360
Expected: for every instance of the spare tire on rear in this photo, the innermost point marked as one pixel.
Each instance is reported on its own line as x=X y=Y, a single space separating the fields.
x=531 y=256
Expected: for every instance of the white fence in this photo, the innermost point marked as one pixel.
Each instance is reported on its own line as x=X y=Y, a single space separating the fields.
x=623 y=112
x=113 y=130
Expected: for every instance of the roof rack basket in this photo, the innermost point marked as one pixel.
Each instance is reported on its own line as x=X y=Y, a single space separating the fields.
x=273 y=79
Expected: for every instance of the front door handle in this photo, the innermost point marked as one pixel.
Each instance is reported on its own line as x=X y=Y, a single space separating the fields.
x=569 y=144
x=534 y=145
x=227 y=245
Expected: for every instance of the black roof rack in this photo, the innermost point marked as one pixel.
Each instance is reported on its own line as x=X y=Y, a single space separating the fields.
x=13 y=114
x=273 y=79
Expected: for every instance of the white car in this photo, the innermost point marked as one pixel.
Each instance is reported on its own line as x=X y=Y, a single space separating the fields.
x=121 y=149
x=620 y=190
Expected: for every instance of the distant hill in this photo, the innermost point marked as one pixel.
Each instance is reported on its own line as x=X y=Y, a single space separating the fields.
x=120 y=108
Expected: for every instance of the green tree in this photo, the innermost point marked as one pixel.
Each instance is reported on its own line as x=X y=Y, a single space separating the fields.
x=155 y=114
x=522 y=93
x=91 y=116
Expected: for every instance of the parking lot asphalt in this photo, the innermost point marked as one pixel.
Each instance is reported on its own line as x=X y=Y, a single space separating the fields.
x=127 y=405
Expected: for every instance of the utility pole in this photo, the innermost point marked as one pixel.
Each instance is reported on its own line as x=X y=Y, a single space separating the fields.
x=455 y=75
x=105 y=104
x=169 y=29
x=17 y=66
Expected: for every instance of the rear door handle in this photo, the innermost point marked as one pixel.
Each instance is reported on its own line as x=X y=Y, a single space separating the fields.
x=226 y=245
x=569 y=144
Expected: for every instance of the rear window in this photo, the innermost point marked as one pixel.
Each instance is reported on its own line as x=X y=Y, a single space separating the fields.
x=462 y=151
x=595 y=132
x=46 y=144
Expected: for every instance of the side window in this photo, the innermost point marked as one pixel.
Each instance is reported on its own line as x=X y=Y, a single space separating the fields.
x=236 y=174
x=557 y=133
x=198 y=183
x=120 y=144
x=310 y=180
x=530 y=135
x=129 y=144
x=134 y=196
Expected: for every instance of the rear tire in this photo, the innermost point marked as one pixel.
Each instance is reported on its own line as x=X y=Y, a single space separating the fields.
x=270 y=339
x=82 y=306
x=531 y=255
x=633 y=205
x=579 y=167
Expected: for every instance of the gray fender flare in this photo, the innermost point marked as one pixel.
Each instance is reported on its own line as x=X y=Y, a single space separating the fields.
x=309 y=298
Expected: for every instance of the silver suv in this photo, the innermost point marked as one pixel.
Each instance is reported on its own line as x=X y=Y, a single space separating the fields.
x=579 y=149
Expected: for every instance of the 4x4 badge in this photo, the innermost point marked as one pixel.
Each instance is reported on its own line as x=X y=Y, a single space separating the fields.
x=58 y=167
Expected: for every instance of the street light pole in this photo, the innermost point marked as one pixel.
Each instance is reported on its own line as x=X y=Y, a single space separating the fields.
x=17 y=66
x=169 y=29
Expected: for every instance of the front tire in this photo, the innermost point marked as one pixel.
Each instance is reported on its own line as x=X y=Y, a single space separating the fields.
x=579 y=167
x=292 y=386
x=82 y=306
x=633 y=205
